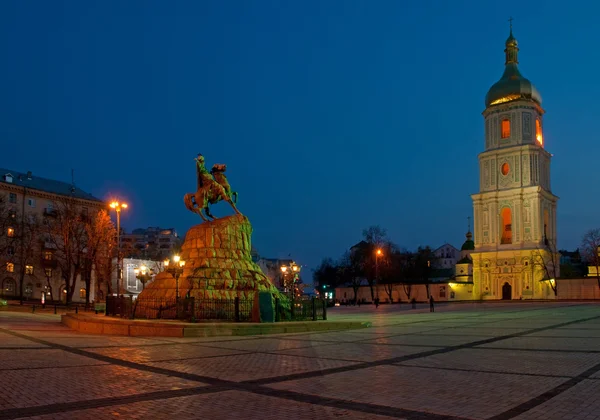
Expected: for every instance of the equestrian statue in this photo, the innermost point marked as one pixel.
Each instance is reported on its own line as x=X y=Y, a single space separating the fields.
x=212 y=188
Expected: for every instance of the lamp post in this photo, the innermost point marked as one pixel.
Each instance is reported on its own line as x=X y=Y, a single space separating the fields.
x=117 y=207
x=175 y=269
x=48 y=274
x=290 y=271
x=143 y=274
x=378 y=253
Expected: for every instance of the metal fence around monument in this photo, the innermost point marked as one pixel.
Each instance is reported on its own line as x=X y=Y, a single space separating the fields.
x=301 y=310
x=190 y=309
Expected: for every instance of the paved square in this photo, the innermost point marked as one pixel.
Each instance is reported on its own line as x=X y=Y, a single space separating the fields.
x=465 y=361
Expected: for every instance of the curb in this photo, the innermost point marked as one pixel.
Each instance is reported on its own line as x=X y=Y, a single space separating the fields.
x=140 y=328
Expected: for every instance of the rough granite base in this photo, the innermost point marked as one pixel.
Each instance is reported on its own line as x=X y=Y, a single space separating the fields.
x=218 y=264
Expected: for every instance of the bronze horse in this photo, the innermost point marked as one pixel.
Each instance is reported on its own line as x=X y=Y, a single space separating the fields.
x=212 y=188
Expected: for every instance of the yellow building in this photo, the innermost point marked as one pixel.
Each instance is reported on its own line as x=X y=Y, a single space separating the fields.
x=515 y=209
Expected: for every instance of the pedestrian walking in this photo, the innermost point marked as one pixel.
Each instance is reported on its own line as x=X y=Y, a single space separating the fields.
x=431 y=308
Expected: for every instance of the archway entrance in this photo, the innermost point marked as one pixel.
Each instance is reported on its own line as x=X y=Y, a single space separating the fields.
x=506 y=291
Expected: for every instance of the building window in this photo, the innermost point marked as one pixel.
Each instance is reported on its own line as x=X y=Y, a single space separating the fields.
x=48 y=255
x=538 y=132
x=12 y=198
x=48 y=272
x=82 y=293
x=31 y=202
x=10 y=232
x=29 y=269
x=10 y=250
x=28 y=289
x=9 y=286
x=505 y=129
x=506 y=223
x=505 y=169
x=12 y=214
x=10 y=267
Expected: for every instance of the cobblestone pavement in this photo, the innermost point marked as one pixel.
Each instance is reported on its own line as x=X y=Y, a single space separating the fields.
x=495 y=361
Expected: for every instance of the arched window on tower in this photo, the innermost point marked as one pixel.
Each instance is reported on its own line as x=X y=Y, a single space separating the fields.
x=505 y=129
x=538 y=132
x=506 y=226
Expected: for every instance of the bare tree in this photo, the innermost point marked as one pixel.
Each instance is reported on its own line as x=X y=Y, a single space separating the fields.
x=29 y=248
x=66 y=232
x=590 y=249
x=407 y=287
x=349 y=272
x=548 y=259
x=100 y=241
x=392 y=272
x=424 y=260
x=375 y=235
x=375 y=238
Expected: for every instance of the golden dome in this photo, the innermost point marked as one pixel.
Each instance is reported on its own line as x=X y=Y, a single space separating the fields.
x=512 y=85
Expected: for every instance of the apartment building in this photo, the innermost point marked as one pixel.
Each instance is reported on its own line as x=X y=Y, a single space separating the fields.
x=152 y=243
x=28 y=267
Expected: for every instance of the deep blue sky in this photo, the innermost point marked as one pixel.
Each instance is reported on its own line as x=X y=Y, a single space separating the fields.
x=331 y=115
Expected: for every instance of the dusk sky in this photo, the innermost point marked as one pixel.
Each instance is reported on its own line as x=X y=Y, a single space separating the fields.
x=331 y=115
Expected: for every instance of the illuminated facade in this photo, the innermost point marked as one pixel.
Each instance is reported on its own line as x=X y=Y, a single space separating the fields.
x=28 y=263
x=514 y=210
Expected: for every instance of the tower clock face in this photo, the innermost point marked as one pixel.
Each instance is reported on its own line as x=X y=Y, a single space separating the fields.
x=505 y=168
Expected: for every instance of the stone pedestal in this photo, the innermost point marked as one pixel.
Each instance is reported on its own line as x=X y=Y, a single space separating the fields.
x=218 y=264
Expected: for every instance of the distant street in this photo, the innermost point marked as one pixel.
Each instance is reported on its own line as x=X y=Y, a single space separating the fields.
x=472 y=360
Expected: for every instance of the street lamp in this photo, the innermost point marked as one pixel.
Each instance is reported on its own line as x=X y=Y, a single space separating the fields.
x=378 y=253
x=143 y=274
x=291 y=271
x=175 y=269
x=117 y=206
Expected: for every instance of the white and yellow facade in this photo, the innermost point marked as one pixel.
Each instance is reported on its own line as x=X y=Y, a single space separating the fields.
x=515 y=209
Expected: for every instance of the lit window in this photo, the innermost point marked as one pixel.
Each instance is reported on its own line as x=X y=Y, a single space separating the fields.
x=12 y=198
x=48 y=255
x=538 y=132
x=505 y=169
x=506 y=221
x=29 y=269
x=10 y=267
x=48 y=272
x=505 y=129
x=82 y=293
x=31 y=202
x=10 y=232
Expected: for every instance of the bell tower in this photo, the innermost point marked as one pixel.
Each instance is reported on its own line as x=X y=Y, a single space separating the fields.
x=515 y=209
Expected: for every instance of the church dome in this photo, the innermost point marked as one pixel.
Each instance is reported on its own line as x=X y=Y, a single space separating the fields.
x=512 y=85
x=469 y=245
